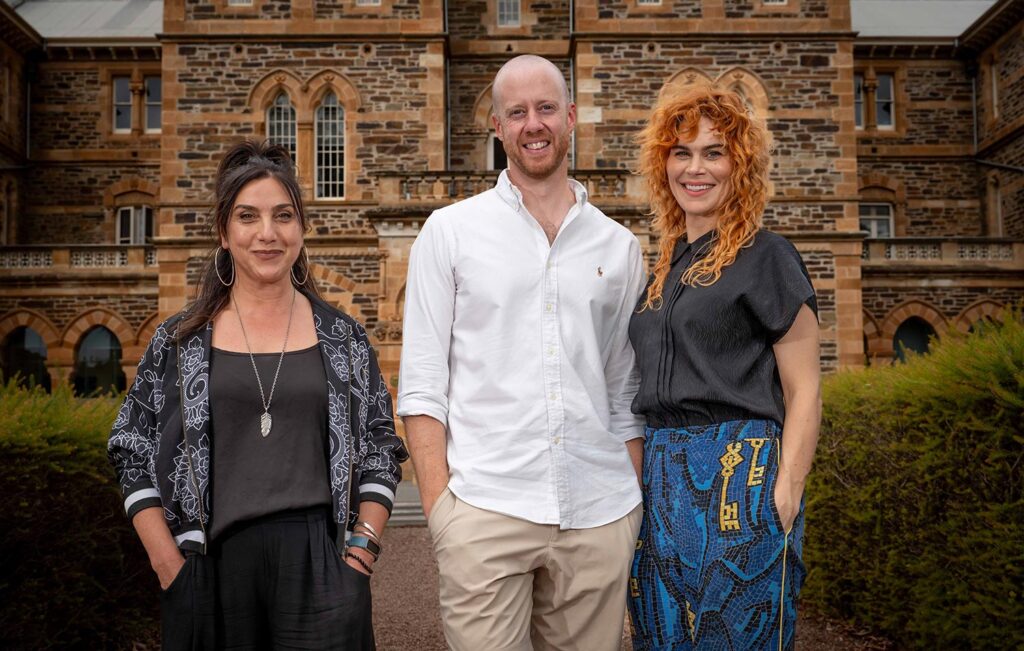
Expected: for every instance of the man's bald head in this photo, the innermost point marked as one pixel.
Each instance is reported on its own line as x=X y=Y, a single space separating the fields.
x=526 y=65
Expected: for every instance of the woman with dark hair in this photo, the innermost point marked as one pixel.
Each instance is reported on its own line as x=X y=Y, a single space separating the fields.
x=256 y=449
x=726 y=337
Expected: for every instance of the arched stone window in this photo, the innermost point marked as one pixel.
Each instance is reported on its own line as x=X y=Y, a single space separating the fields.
x=98 y=363
x=330 y=148
x=914 y=334
x=134 y=224
x=497 y=159
x=281 y=124
x=24 y=354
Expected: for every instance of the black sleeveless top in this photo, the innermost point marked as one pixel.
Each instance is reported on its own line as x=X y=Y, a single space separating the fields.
x=705 y=356
x=255 y=476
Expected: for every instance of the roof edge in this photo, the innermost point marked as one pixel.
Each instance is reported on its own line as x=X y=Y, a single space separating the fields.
x=31 y=38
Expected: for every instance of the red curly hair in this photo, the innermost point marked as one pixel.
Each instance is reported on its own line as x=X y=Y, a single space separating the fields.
x=748 y=145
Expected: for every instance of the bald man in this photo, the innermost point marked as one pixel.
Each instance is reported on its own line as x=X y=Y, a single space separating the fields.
x=516 y=382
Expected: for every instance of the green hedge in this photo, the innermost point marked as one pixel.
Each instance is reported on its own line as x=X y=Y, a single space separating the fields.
x=73 y=573
x=915 y=516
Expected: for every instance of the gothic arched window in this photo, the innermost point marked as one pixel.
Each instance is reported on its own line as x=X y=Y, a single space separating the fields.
x=281 y=123
x=330 y=148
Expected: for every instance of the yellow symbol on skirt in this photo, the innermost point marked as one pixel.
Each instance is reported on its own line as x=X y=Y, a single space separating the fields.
x=729 y=512
x=691 y=620
x=756 y=475
x=634 y=587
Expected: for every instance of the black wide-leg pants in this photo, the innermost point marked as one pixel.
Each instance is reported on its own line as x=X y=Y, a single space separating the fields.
x=277 y=582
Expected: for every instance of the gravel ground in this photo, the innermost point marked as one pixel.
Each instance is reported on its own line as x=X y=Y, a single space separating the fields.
x=406 y=613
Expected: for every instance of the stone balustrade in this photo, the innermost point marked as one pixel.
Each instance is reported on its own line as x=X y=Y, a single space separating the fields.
x=62 y=258
x=441 y=188
x=945 y=252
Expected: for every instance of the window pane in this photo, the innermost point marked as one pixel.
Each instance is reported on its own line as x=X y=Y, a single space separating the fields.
x=884 y=102
x=122 y=104
x=884 y=91
x=98 y=363
x=124 y=226
x=858 y=100
x=883 y=114
x=153 y=90
x=154 y=94
x=148 y=218
x=122 y=91
x=330 y=148
x=24 y=354
x=281 y=123
x=508 y=13
x=152 y=118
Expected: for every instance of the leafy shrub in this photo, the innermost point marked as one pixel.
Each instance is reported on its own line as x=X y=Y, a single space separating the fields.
x=915 y=515
x=74 y=574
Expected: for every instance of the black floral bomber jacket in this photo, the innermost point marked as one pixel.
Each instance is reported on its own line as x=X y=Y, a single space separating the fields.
x=160 y=463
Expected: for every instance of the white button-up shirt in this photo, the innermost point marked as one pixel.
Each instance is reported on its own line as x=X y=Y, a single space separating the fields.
x=521 y=348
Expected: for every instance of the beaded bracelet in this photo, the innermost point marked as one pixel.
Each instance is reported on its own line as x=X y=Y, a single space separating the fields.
x=366 y=567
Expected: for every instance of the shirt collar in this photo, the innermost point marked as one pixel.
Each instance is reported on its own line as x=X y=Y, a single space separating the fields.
x=701 y=246
x=511 y=195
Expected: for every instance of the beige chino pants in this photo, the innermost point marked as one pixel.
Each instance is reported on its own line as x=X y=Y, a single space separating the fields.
x=510 y=584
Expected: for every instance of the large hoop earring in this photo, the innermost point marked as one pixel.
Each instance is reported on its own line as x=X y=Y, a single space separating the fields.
x=216 y=267
x=305 y=257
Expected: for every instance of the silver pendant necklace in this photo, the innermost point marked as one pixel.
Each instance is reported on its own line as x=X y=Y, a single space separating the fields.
x=266 y=422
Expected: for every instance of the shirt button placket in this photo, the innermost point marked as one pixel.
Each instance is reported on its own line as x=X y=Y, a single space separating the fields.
x=552 y=384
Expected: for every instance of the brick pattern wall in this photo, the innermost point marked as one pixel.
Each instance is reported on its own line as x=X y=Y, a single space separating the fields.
x=70 y=105
x=207 y=10
x=409 y=10
x=66 y=108
x=12 y=103
x=365 y=272
x=61 y=310
x=935 y=102
x=791 y=216
x=66 y=202
x=748 y=9
x=474 y=19
x=630 y=9
x=821 y=266
x=1010 y=75
x=949 y=301
x=1012 y=187
x=943 y=195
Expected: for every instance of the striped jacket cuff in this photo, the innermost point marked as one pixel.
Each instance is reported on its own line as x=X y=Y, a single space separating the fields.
x=139 y=498
x=377 y=492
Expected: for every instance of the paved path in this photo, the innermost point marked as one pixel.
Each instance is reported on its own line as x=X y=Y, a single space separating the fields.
x=406 y=612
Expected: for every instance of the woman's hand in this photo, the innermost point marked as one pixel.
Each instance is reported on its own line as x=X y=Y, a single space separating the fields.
x=363 y=555
x=787 y=502
x=167 y=571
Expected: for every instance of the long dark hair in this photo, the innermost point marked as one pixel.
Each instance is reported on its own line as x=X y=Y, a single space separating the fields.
x=244 y=163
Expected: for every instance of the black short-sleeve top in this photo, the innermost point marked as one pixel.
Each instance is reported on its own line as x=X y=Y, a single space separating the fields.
x=705 y=356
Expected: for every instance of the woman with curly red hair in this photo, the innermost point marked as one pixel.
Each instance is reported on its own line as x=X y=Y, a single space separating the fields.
x=726 y=338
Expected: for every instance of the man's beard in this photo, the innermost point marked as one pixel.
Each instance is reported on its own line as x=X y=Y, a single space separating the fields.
x=540 y=169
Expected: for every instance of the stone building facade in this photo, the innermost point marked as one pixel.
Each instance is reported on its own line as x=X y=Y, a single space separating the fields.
x=109 y=141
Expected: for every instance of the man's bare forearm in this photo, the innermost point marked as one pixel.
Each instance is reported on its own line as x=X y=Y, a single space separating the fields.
x=428 y=445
